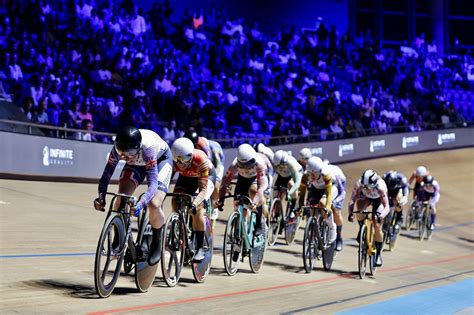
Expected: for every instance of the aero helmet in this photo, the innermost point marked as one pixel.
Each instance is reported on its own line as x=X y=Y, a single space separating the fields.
x=391 y=179
x=421 y=171
x=315 y=165
x=128 y=140
x=305 y=154
x=246 y=156
x=182 y=150
x=280 y=158
x=369 y=179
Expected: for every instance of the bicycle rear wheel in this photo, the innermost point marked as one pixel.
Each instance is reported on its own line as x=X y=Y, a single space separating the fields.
x=410 y=217
x=309 y=245
x=275 y=220
x=201 y=269
x=144 y=273
x=109 y=255
x=422 y=225
x=328 y=249
x=363 y=246
x=257 y=252
x=233 y=244
x=173 y=249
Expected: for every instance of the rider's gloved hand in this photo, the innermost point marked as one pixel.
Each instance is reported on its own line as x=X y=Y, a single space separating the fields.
x=137 y=209
x=403 y=201
x=350 y=218
x=99 y=203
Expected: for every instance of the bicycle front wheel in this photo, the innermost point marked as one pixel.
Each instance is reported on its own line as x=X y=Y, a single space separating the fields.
x=275 y=219
x=201 y=269
x=363 y=246
x=233 y=244
x=309 y=245
x=422 y=226
x=257 y=252
x=173 y=248
x=109 y=255
x=328 y=248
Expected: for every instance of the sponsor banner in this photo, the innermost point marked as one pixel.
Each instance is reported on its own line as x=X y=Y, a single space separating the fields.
x=42 y=156
x=444 y=138
x=410 y=141
x=377 y=145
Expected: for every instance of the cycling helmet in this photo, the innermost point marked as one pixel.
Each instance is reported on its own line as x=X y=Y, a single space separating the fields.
x=315 y=165
x=256 y=146
x=391 y=179
x=182 y=150
x=246 y=156
x=280 y=158
x=421 y=171
x=128 y=141
x=428 y=180
x=305 y=154
x=192 y=135
x=369 y=179
x=326 y=161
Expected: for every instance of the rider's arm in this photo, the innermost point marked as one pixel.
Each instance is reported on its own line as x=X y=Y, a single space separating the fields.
x=154 y=184
x=217 y=159
x=384 y=200
x=262 y=183
x=227 y=180
x=437 y=193
x=328 y=188
x=296 y=174
x=354 y=197
x=412 y=178
x=108 y=171
x=203 y=170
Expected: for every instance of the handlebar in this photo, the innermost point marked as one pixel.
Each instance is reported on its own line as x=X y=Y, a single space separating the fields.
x=130 y=200
x=242 y=199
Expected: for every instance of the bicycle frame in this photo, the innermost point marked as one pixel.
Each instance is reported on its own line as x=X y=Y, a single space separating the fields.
x=369 y=224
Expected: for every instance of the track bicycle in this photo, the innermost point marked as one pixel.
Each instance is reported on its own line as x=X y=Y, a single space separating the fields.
x=280 y=221
x=390 y=230
x=239 y=238
x=179 y=242
x=116 y=244
x=410 y=218
x=316 y=238
x=423 y=221
x=367 y=249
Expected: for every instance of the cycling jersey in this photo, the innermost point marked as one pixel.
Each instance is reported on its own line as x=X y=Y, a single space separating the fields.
x=156 y=158
x=401 y=183
x=431 y=191
x=340 y=182
x=377 y=193
x=201 y=168
x=292 y=169
x=261 y=148
x=324 y=181
x=256 y=173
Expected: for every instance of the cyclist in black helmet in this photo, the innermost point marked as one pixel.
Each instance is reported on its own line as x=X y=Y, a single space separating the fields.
x=200 y=143
x=397 y=186
x=145 y=155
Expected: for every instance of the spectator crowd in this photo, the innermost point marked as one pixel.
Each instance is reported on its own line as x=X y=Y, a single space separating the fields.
x=87 y=66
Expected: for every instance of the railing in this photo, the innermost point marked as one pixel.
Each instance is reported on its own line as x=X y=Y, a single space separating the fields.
x=228 y=142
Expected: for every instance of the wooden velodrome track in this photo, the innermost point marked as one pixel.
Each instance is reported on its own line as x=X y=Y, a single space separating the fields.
x=49 y=233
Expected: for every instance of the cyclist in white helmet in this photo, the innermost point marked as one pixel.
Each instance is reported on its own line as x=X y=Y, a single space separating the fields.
x=322 y=190
x=303 y=158
x=417 y=176
x=338 y=200
x=371 y=189
x=289 y=173
x=252 y=181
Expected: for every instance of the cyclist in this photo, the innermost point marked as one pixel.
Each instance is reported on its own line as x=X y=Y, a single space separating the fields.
x=201 y=143
x=430 y=191
x=196 y=173
x=145 y=155
x=322 y=190
x=251 y=180
x=340 y=180
x=417 y=176
x=370 y=189
x=289 y=173
x=397 y=187
x=304 y=156
x=267 y=155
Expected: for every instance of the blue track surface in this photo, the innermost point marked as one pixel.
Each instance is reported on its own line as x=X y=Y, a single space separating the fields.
x=446 y=299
